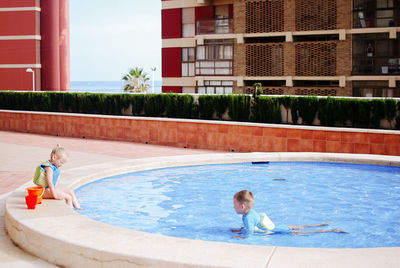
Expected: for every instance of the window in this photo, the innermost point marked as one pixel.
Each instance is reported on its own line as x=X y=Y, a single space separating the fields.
x=214 y=50
x=188 y=23
x=384 y=13
x=222 y=12
x=188 y=90
x=188 y=60
x=222 y=23
x=375 y=89
x=218 y=21
x=384 y=3
x=216 y=87
x=376 y=13
x=215 y=57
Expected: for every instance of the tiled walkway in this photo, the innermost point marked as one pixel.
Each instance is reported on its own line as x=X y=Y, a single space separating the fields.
x=20 y=153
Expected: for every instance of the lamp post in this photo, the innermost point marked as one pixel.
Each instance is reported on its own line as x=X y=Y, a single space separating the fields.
x=29 y=70
x=152 y=82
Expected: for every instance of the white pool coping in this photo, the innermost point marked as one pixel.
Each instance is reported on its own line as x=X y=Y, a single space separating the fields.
x=64 y=237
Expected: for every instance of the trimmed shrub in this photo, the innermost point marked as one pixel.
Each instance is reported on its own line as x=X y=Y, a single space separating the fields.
x=397 y=126
x=267 y=110
x=327 y=112
x=377 y=112
x=154 y=105
x=390 y=110
x=137 y=101
x=286 y=102
x=40 y=101
x=179 y=106
x=221 y=105
x=294 y=109
x=362 y=113
x=70 y=103
x=186 y=104
x=307 y=107
x=206 y=106
x=344 y=110
x=239 y=107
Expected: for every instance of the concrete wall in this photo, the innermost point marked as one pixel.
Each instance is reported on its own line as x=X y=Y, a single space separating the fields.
x=215 y=135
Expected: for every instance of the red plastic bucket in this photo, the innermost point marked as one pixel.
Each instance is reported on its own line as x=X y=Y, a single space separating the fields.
x=36 y=191
x=31 y=201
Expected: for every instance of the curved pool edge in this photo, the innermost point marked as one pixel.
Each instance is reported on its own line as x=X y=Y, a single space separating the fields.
x=64 y=237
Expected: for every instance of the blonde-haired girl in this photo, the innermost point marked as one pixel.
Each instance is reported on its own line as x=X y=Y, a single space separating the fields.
x=47 y=174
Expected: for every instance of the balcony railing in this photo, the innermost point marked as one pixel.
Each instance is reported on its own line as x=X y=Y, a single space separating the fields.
x=215 y=26
x=376 y=65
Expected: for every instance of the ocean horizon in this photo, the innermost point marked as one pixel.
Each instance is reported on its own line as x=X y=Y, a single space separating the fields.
x=106 y=86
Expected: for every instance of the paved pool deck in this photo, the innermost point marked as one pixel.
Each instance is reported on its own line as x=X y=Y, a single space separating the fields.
x=20 y=153
x=75 y=240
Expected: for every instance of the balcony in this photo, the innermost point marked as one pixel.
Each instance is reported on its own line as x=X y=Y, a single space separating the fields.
x=376 y=54
x=215 y=26
x=376 y=65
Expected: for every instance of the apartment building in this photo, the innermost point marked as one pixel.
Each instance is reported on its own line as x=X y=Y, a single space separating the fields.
x=295 y=47
x=34 y=45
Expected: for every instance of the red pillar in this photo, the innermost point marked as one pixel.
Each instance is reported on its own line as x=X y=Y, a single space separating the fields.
x=65 y=67
x=50 y=46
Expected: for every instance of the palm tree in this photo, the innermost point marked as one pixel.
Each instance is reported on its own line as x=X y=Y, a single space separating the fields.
x=136 y=81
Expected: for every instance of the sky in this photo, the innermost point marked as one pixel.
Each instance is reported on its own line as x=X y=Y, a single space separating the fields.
x=107 y=38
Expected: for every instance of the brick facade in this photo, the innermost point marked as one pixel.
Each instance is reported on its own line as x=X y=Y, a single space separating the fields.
x=344 y=57
x=344 y=14
x=290 y=15
x=295 y=46
x=239 y=10
x=239 y=60
x=289 y=59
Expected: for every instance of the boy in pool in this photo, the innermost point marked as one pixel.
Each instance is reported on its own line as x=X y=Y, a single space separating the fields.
x=47 y=173
x=243 y=203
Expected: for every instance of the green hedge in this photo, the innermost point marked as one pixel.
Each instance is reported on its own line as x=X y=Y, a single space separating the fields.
x=239 y=107
x=266 y=110
x=348 y=112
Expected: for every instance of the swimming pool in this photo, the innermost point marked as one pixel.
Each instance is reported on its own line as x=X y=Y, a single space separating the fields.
x=196 y=202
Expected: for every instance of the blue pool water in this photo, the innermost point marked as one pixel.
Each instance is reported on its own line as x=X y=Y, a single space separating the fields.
x=196 y=202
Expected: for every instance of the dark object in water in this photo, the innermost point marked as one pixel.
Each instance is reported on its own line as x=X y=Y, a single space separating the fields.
x=260 y=162
x=279 y=179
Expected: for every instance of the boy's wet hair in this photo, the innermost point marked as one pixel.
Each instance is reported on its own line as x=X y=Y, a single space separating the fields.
x=245 y=197
x=59 y=151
